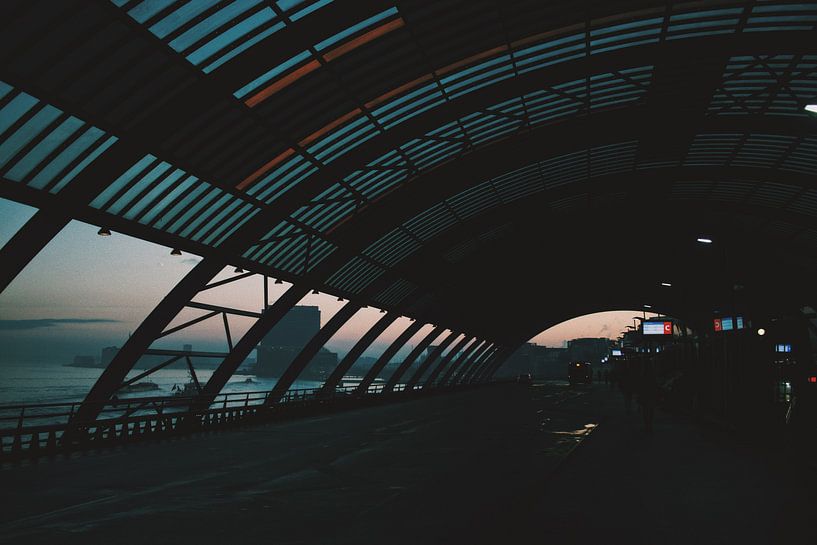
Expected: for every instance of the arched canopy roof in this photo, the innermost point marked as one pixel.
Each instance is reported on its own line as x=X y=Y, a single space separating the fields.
x=491 y=166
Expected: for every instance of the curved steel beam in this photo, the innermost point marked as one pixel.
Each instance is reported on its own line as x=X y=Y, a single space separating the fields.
x=479 y=371
x=680 y=50
x=468 y=370
x=413 y=355
x=433 y=357
x=479 y=367
x=494 y=364
x=271 y=316
x=147 y=332
x=312 y=347
x=387 y=355
x=460 y=348
x=468 y=356
x=27 y=242
x=354 y=354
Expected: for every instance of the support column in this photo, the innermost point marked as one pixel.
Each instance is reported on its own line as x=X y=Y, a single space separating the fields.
x=313 y=346
x=271 y=316
x=478 y=367
x=32 y=237
x=448 y=357
x=398 y=373
x=473 y=351
x=148 y=331
x=483 y=367
x=343 y=367
x=472 y=365
x=386 y=356
x=434 y=356
x=501 y=357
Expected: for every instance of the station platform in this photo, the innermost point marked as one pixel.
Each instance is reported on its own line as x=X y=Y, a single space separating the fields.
x=503 y=464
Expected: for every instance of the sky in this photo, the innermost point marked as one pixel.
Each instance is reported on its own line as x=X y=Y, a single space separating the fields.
x=84 y=292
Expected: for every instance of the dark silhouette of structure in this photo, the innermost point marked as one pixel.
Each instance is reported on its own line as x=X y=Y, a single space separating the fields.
x=572 y=157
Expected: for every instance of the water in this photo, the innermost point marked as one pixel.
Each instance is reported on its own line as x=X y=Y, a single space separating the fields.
x=49 y=383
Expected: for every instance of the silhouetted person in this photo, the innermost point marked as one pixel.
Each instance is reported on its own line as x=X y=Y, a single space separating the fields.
x=648 y=394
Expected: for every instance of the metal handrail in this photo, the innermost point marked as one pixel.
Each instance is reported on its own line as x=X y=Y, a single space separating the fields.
x=27 y=415
x=130 y=418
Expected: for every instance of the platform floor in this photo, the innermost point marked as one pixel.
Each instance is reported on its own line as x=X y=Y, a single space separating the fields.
x=502 y=464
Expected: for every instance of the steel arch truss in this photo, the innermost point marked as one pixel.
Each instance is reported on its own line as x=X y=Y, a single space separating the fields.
x=401 y=179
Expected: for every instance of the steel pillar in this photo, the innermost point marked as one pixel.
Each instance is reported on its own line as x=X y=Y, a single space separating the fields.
x=469 y=367
x=467 y=356
x=460 y=346
x=313 y=346
x=422 y=345
x=271 y=316
x=386 y=356
x=433 y=357
x=355 y=353
x=32 y=237
x=147 y=332
x=494 y=364
x=478 y=367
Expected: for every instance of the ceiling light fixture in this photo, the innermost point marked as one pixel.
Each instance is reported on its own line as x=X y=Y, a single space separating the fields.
x=704 y=240
x=104 y=232
x=761 y=331
x=666 y=284
x=811 y=108
x=647 y=306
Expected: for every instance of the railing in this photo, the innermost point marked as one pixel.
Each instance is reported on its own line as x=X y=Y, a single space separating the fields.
x=30 y=430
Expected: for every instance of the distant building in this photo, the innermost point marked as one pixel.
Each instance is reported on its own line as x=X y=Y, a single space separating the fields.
x=551 y=363
x=296 y=328
x=285 y=341
x=539 y=361
x=187 y=348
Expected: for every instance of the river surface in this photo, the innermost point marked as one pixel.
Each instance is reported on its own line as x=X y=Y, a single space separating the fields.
x=52 y=383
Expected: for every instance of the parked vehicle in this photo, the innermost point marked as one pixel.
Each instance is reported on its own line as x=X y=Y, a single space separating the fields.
x=579 y=372
x=524 y=378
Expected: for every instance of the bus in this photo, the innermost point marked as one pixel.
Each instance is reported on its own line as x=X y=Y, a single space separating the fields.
x=579 y=372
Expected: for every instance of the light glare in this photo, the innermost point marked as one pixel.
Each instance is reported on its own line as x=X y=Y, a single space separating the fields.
x=811 y=108
x=705 y=240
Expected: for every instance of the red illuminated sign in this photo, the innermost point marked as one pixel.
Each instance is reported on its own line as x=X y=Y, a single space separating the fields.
x=812 y=379
x=667 y=328
x=718 y=324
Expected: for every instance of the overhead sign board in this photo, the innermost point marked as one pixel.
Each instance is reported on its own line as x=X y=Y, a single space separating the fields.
x=657 y=328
